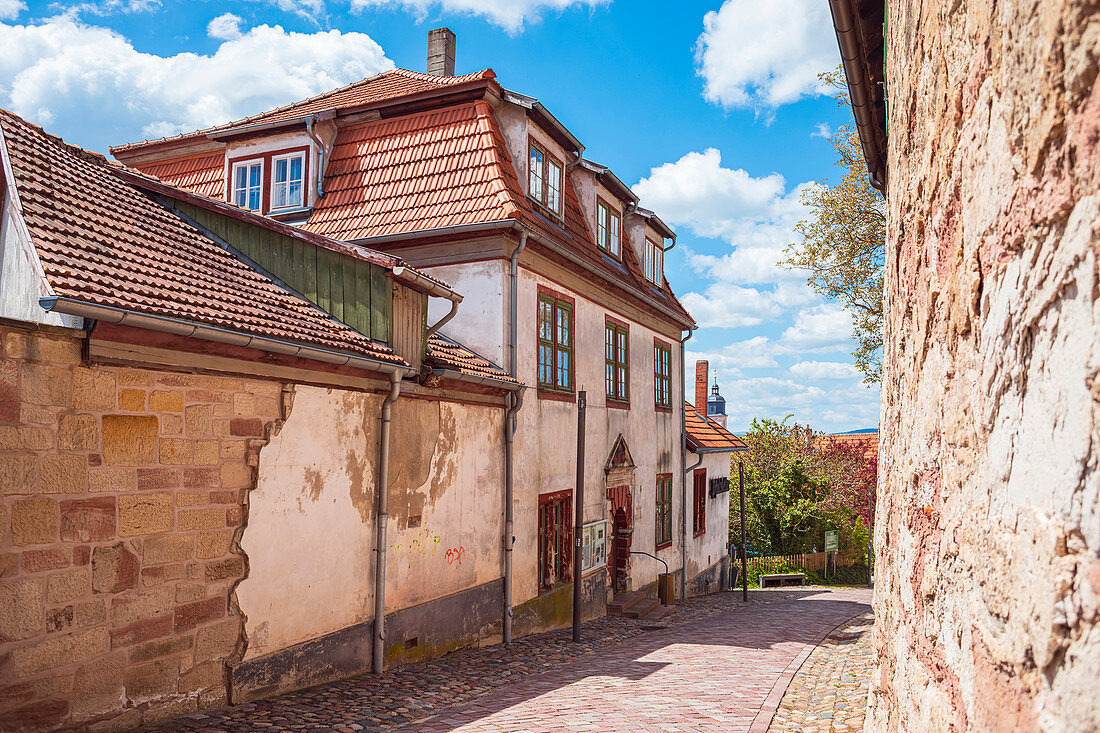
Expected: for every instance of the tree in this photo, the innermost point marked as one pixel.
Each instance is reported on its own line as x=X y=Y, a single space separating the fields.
x=784 y=499
x=843 y=241
x=798 y=484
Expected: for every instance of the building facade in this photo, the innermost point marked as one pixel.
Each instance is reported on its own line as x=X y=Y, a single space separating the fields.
x=215 y=356
x=987 y=527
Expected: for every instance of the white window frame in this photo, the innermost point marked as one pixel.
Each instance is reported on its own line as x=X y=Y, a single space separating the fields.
x=654 y=261
x=609 y=238
x=237 y=164
x=546 y=182
x=274 y=163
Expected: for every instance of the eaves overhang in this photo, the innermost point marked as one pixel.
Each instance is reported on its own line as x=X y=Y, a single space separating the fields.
x=860 y=35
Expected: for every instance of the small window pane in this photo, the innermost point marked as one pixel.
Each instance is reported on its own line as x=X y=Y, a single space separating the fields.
x=535 y=174
x=615 y=230
x=553 y=186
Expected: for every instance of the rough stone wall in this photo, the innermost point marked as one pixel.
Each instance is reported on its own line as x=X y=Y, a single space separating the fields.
x=988 y=522
x=122 y=496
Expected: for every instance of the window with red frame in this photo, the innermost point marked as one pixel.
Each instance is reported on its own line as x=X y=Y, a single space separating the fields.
x=555 y=539
x=663 y=532
x=699 y=502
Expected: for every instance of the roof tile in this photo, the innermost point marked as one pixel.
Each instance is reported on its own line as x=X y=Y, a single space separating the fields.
x=102 y=241
x=706 y=434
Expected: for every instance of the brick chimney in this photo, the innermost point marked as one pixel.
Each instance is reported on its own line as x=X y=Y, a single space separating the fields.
x=441 y=52
x=702 y=375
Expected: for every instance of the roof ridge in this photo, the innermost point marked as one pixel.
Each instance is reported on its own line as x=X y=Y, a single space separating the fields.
x=487 y=73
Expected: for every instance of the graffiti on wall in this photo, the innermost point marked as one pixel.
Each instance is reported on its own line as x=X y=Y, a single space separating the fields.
x=424 y=545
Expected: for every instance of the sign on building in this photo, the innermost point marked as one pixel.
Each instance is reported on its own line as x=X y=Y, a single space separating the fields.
x=593 y=545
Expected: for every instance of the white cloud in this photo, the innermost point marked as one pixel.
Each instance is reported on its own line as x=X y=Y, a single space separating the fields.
x=511 y=15
x=108 y=7
x=83 y=80
x=822 y=130
x=730 y=306
x=756 y=215
x=833 y=408
x=823 y=327
x=765 y=54
x=226 y=27
x=816 y=370
x=10 y=9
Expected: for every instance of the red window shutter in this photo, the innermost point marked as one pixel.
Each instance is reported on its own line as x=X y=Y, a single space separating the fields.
x=699 y=509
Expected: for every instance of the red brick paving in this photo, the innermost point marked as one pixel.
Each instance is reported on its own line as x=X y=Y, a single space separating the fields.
x=715 y=665
x=727 y=672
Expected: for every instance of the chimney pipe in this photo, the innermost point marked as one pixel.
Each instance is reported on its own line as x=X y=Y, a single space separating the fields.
x=441 y=52
x=702 y=374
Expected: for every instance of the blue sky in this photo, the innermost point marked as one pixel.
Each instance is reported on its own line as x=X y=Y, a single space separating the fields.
x=710 y=110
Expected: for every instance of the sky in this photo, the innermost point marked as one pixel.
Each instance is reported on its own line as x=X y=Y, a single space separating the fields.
x=711 y=111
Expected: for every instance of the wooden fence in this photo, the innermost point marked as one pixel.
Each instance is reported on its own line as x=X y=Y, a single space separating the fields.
x=809 y=561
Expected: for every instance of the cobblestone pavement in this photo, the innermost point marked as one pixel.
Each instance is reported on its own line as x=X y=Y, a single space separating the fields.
x=713 y=665
x=829 y=692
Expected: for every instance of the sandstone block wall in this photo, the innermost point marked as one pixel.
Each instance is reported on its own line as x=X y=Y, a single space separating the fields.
x=988 y=521
x=122 y=497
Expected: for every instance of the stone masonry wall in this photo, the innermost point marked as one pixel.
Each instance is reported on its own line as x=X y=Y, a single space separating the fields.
x=122 y=496
x=988 y=521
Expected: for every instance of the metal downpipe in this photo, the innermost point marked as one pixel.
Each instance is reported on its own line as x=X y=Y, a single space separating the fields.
x=515 y=402
x=683 y=473
x=382 y=519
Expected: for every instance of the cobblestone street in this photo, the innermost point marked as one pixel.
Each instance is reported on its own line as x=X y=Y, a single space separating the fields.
x=714 y=665
x=829 y=692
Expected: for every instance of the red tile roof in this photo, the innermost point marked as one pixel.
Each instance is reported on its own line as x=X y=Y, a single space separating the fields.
x=105 y=242
x=393 y=84
x=449 y=354
x=203 y=174
x=704 y=433
x=444 y=167
x=421 y=171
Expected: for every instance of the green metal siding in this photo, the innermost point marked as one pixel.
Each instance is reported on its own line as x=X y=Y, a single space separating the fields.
x=351 y=290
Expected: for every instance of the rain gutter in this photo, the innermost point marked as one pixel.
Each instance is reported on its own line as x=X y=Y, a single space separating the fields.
x=382 y=519
x=515 y=402
x=847 y=36
x=683 y=474
x=180 y=327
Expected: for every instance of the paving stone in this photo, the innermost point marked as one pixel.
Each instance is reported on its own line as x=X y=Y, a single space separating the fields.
x=713 y=665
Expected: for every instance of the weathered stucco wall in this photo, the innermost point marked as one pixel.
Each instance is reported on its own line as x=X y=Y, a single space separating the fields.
x=546 y=438
x=122 y=495
x=988 y=522
x=311 y=534
x=708 y=549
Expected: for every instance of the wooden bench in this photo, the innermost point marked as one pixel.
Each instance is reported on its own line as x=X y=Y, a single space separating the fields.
x=775 y=580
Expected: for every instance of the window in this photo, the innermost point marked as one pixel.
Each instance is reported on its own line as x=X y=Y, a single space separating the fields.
x=246 y=184
x=616 y=354
x=662 y=374
x=594 y=545
x=699 y=502
x=286 y=181
x=608 y=229
x=555 y=538
x=654 y=261
x=544 y=181
x=664 y=511
x=555 y=343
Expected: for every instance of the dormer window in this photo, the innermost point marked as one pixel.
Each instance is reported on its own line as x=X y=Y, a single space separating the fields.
x=286 y=180
x=544 y=181
x=608 y=229
x=247 y=186
x=654 y=261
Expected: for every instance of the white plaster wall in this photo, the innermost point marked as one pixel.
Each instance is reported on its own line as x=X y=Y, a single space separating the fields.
x=310 y=535
x=21 y=280
x=709 y=547
x=479 y=323
x=546 y=438
x=311 y=530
